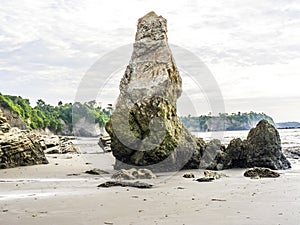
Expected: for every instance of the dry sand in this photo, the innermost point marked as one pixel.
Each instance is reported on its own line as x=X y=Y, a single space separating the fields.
x=61 y=193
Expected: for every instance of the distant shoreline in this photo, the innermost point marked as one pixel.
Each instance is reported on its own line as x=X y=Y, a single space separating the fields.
x=282 y=128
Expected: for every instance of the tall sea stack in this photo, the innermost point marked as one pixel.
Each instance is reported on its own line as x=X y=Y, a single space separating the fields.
x=144 y=128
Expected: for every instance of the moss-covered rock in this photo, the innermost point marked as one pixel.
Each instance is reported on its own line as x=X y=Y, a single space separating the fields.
x=262 y=148
x=259 y=172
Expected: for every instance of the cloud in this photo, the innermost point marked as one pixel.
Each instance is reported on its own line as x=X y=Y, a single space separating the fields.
x=252 y=47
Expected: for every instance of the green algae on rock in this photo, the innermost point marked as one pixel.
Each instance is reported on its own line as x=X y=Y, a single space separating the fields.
x=262 y=148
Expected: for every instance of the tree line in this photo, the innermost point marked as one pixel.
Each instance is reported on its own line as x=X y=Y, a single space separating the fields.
x=65 y=115
x=55 y=118
x=224 y=121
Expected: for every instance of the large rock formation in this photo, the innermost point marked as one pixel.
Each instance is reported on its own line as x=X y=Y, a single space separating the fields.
x=144 y=128
x=18 y=148
x=262 y=148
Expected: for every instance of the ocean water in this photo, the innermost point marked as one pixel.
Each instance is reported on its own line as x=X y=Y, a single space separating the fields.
x=290 y=139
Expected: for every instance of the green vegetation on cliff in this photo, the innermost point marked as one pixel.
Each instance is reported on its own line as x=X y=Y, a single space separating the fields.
x=62 y=117
x=55 y=118
x=234 y=121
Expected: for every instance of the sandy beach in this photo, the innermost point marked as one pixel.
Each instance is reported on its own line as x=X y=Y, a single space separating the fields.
x=90 y=89
x=62 y=193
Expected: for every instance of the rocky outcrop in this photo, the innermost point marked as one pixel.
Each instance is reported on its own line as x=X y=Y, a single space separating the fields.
x=54 y=144
x=258 y=172
x=262 y=148
x=145 y=130
x=19 y=148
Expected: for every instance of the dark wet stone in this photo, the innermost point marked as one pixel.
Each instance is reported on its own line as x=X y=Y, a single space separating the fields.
x=136 y=184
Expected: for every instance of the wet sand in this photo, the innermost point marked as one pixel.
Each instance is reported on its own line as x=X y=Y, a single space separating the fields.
x=61 y=193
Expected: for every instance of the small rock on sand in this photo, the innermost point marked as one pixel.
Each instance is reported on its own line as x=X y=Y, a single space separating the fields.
x=96 y=171
x=136 y=184
x=260 y=172
x=205 y=179
x=188 y=175
x=133 y=174
x=213 y=174
x=210 y=176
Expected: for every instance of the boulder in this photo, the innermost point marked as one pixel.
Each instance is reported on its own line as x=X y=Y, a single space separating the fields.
x=144 y=128
x=67 y=146
x=213 y=174
x=258 y=172
x=19 y=148
x=262 y=148
x=124 y=174
x=188 y=175
x=133 y=174
x=264 y=145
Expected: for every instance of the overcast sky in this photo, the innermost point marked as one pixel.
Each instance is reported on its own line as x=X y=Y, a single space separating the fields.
x=251 y=47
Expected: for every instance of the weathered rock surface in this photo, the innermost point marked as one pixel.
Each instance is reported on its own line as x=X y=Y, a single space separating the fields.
x=210 y=150
x=133 y=174
x=262 y=148
x=19 y=148
x=13 y=119
x=104 y=143
x=54 y=144
x=258 y=172
x=144 y=128
x=4 y=126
